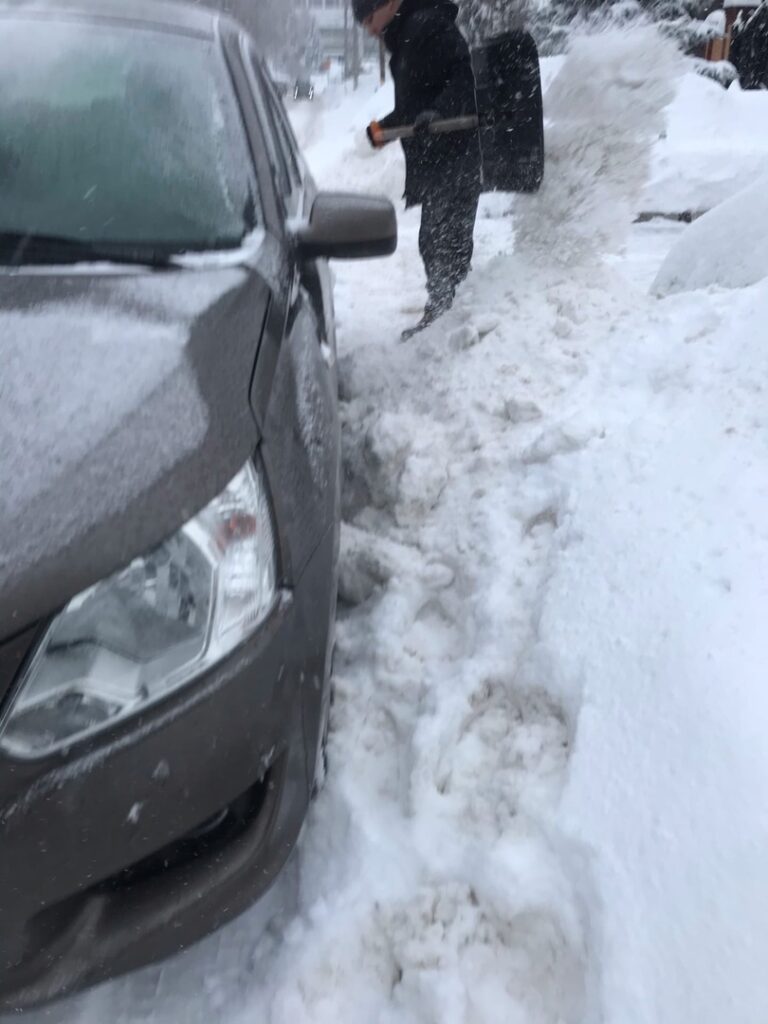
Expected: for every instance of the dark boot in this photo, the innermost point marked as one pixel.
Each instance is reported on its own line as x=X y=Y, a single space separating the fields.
x=434 y=309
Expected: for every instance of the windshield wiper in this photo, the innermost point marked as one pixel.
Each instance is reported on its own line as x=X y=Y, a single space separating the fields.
x=19 y=248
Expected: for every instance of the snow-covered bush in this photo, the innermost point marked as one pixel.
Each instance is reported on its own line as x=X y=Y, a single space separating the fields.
x=604 y=112
x=728 y=246
x=720 y=71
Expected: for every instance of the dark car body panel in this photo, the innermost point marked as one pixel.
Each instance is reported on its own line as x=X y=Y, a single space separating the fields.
x=71 y=914
x=86 y=508
x=111 y=852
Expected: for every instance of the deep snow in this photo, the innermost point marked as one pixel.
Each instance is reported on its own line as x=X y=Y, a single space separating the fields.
x=548 y=787
x=726 y=248
x=715 y=144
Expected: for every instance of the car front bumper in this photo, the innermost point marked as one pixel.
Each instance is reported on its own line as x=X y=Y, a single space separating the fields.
x=131 y=849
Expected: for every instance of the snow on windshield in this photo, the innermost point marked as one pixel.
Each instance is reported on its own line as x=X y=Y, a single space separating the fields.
x=122 y=135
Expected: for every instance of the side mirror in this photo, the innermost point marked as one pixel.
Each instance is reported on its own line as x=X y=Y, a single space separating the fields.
x=348 y=227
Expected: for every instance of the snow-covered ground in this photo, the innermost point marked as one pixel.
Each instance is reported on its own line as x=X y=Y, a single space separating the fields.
x=716 y=143
x=548 y=788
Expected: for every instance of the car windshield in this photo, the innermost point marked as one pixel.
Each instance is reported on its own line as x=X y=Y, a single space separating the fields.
x=115 y=136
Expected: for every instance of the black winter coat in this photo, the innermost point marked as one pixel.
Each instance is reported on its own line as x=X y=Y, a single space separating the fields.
x=432 y=70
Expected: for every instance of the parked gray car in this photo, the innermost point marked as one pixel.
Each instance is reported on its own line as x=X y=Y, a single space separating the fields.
x=169 y=457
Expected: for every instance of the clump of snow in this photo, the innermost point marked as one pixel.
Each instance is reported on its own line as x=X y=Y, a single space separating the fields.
x=727 y=247
x=715 y=23
x=604 y=111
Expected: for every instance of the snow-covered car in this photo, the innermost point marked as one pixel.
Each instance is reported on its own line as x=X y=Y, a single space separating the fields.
x=169 y=456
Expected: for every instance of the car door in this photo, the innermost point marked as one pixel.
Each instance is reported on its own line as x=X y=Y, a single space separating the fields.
x=315 y=275
x=294 y=392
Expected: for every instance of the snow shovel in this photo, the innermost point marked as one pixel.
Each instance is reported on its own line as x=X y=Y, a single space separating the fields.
x=510 y=118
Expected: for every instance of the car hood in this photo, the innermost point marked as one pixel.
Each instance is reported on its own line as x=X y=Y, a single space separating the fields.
x=123 y=410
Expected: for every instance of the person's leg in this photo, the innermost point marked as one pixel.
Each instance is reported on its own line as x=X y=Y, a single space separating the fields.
x=461 y=235
x=446 y=241
x=433 y=248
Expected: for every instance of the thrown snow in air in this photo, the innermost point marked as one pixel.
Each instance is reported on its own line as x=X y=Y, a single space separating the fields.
x=548 y=780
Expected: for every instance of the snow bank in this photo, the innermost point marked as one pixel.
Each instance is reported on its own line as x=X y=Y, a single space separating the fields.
x=604 y=110
x=655 y=615
x=727 y=247
x=716 y=144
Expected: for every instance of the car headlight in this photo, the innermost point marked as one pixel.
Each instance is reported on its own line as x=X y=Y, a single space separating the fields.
x=130 y=640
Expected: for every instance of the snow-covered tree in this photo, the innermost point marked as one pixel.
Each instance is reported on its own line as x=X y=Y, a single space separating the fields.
x=750 y=49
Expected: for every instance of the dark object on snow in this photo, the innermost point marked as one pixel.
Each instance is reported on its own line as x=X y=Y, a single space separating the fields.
x=684 y=217
x=164 y=674
x=510 y=115
x=303 y=89
x=432 y=71
x=749 y=50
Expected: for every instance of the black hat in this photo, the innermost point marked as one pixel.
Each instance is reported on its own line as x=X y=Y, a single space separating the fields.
x=363 y=8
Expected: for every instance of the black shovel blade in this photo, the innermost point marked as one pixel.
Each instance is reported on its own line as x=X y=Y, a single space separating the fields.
x=509 y=101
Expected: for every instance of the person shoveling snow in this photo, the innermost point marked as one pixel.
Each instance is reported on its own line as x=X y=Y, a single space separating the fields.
x=432 y=69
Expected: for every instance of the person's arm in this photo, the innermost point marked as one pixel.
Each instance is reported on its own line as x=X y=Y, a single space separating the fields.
x=392 y=120
x=374 y=129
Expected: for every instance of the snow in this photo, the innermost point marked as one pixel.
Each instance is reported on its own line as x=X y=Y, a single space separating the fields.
x=716 y=143
x=728 y=247
x=716 y=23
x=90 y=383
x=664 y=558
x=604 y=109
x=548 y=780
x=341 y=156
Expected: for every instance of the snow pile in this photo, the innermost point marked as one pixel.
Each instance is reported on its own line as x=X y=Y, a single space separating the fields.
x=655 y=615
x=604 y=110
x=544 y=587
x=430 y=886
x=715 y=145
x=727 y=247
x=331 y=131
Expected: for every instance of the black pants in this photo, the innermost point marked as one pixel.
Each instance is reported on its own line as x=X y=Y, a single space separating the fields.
x=446 y=241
